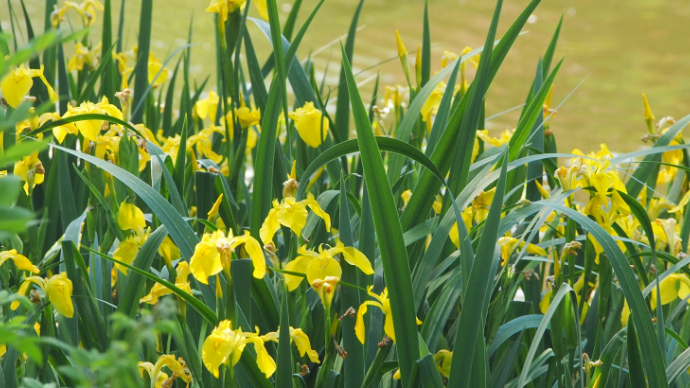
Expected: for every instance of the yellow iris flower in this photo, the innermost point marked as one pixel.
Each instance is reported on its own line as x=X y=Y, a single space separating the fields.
x=58 y=289
x=448 y=57
x=169 y=251
x=496 y=142
x=90 y=129
x=158 y=290
x=437 y=206
x=673 y=286
x=30 y=170
x=87 y=11
x=248 y=117
x=432 y=104
x=300 y=339
x=207 y=107
x=226 y=345
x=223 y=8
x=311 y=124
x=204 y=142
x=18 y=81
x=323 y=270
x=507 y=244
x=442 y=359
x=20 y=261
x=292 y=214
x=214 y=254
x=383 y=303
x=667 y=233
x=405 y=196
x=154 y=67
x=481 y=204
x=76 y=63
x=130 y=217
x=160 y=378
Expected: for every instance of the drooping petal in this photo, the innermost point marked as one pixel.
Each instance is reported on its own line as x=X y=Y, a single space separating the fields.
x=388 y=327
x=314 y=206
x=262 y=8
x=20 y=261
x=354 y=257
x=157 y=291
x=266 y=364
x=216 y=206
x=168 y=250
x=270 y=226
x=255 y=252
x=535 y=250
x=299 y=264
x=205 y=261
x=303 y=344
x=217 y=347
x=359 y=323
x=126 y=252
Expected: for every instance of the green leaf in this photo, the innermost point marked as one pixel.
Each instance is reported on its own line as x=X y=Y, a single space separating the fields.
x=20 y=150
x=284 y=372
x=555 y=302
x=352 y=146
x=645 y=170
x=342 y=110
x=532 y=112
x=471 y=321
x=388 y=231
x=141 y=69
x=353 y=372
x=678 y=367
x=198 y=305
x=513 y=327
x=426 y=47
x=129 y=300
x=180 y=232
x=635 y=369
x=653 y=360
x=425 y=190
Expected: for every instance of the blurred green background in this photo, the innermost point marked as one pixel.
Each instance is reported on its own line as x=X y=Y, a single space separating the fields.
x=622 y=48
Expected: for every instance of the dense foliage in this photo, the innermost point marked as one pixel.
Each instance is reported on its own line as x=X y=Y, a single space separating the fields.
x=275 y=231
